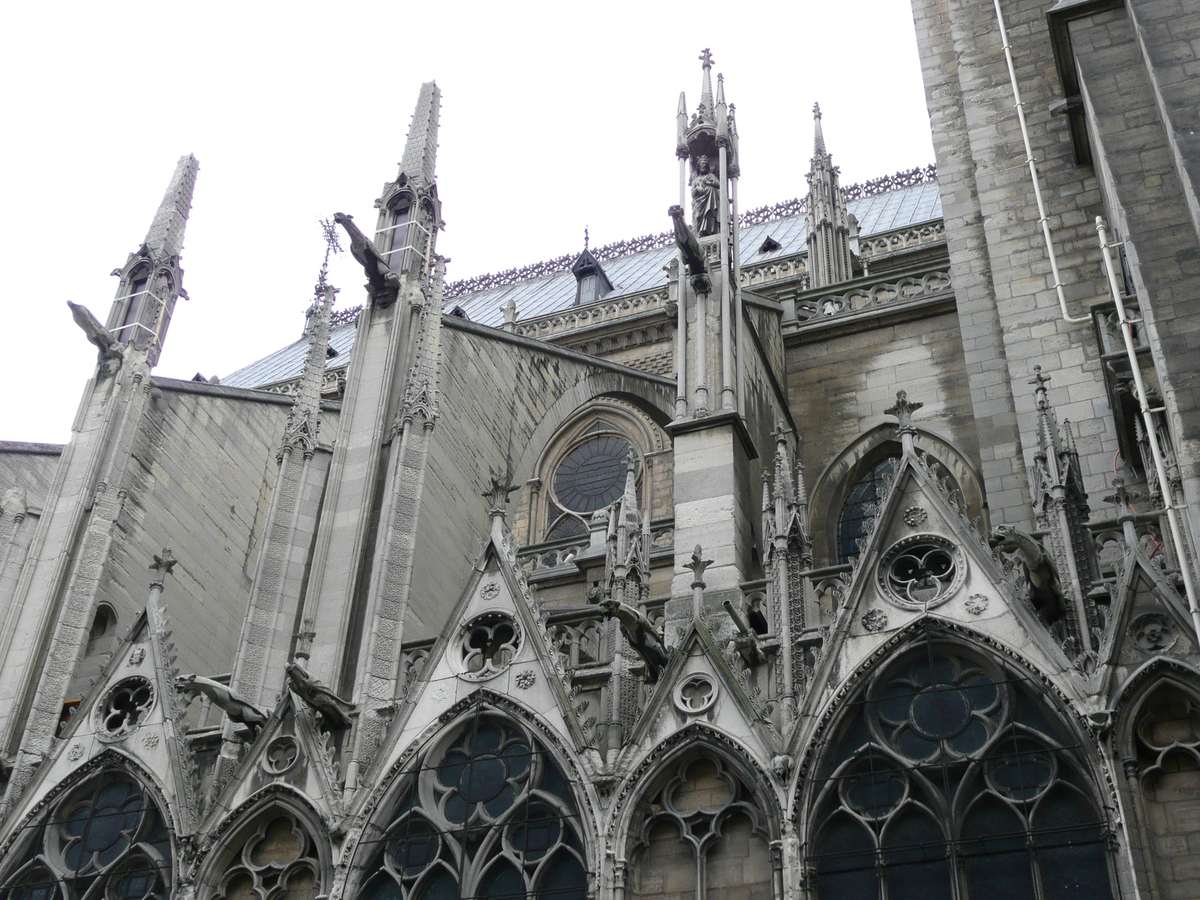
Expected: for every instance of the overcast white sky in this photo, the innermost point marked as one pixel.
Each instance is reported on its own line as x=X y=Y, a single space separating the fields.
x=554 y=116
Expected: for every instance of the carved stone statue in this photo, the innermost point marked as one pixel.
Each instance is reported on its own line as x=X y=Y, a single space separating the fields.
x=706 y=197
x=333 y=709
x=643 y=637
x=689 y=246
x=382 y=282
x=111 y=351
x=235 y=707
x=1045 y=590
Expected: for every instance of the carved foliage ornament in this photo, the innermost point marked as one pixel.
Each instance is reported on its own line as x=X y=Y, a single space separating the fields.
x=1153 y=632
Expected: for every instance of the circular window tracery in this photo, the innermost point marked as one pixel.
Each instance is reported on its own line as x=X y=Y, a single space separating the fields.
x=695 y=694
x=125 y=707
x=488 y=814
x=489 y=644
x=922 y=571
x=105 y=839
x=592 y=474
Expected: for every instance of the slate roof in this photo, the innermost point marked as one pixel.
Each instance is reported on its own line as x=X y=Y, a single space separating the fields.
x=629 y=274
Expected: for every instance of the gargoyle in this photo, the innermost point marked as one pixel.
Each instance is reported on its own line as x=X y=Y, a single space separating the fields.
x=335 y=711
x=689 y=245
x=382 y=282
x=1045 y=590
x=111 y=351
x=235 y=707
x=643 y=637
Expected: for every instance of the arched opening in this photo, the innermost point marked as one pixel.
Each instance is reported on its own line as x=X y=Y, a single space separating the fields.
x=104 y=626
x=862 y=501
x=948 y=777
x=699 y=833
x=104 y=838
x=488 y=812
x=273 y=857
x=1166 y=749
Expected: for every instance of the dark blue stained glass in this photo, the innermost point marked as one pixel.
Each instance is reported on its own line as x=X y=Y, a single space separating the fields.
x=413 y=850
x=1070 y=842
x=439 y=886
x=941 y=711
x=36 y=884
x=138 y=881
x=564 y=879
x=382 y=888
x=970 y=739
x=1024 y=775
x=914 y=746
x=482 y=779
x=502 y=882
x=536 y=835
x=846 y=867
x=517 y=757
x=995 y=859
x=875 y=793
x=916 y=863
x=860 y=506
x=592 y=475
x=982 y=691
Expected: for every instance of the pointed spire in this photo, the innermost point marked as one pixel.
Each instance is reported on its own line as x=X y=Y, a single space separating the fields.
x=165 y=236
x=681 y=126
x=707 y=112
x=420 y=153
x=830 y=226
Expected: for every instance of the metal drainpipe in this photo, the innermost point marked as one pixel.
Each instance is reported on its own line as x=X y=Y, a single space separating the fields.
x=1019 y=106
x=1160 y=465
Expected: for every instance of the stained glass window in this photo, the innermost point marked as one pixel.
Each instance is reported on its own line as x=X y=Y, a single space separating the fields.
x=945 y=781
x=592 y=475
x=106 y=838
x=488 y=814
x=860 y=506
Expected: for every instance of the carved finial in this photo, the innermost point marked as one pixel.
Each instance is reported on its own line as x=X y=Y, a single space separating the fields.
x=706 y=59
x=497 y=494
x=697 y=564
x=903 y=411
x=1122 y=498
x=1039 y=391
x=509 y=309
x=586 y=237
x=818 y=132
x=162 y=566
x=817 y=111
x=781 y=432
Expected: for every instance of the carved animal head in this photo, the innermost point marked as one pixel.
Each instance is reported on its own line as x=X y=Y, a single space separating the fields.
x=183 y=682
x=1004 y=538
x=609 y=606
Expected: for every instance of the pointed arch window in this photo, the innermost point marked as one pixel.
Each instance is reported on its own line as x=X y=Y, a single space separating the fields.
x=275 y=859
x=949 y=779
x=699 y=835
x=139 y=281
x=489 y=814
x=105 y=840
x=861 y=505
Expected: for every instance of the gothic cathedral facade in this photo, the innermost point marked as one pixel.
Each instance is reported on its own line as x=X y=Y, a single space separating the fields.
x=844 y=548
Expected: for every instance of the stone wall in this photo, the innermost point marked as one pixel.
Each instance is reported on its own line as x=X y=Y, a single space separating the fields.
x=502 y=397
x=200 y=482
x=841 y=381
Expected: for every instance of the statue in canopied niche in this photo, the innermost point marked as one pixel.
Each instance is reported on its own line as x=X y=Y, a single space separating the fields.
x=706 y=197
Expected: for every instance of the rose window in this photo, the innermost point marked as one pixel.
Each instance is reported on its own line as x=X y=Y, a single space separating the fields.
x=921 y=572
x=489 y=643
x=489 y=815
x=105 y=839
x=125 y=707
x=695 y=694
x=950 y=777
x=588 y=478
